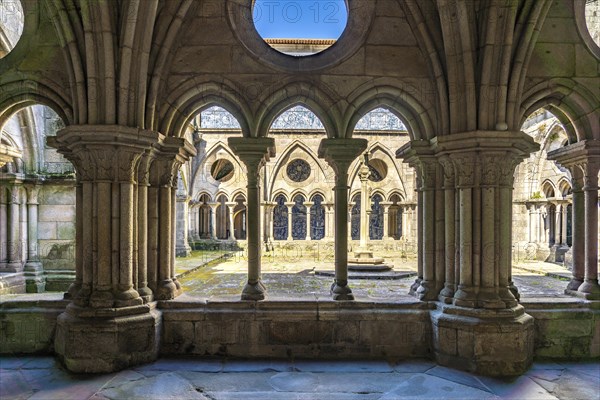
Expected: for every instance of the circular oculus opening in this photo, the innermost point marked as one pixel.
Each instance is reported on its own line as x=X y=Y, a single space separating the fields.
x=222 y=170
x=300 y=28
x=378 y=169
x=11 y=25
x=298 y=170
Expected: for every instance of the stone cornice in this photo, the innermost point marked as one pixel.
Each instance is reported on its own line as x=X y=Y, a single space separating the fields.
x=576 y=153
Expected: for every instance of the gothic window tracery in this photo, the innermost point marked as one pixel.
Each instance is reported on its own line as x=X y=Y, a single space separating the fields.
x=376 y=218
x=280 y=219
x=355 y=218
x=297 y=118
x=298 y=170
x=218 y=118
x=380 y=119
x=299 y=218
x=317 y=218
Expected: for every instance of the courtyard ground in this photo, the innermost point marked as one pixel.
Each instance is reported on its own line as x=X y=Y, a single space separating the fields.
x=291 y=273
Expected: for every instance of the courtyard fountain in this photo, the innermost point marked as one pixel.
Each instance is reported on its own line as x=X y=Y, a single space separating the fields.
x=363 y=259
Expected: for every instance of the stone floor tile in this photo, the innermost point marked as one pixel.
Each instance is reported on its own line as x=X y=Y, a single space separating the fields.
x=591 y=369
x=257 y=366
x=229 y=382
x=161 y=387
x=14 y=386
x=423 y=386
x=74 y=387
x=168 y=364
x=292 y=396
x=124 y=377
x=521 y=388
x=546 y=365
x=575 y=386
x=409 y=366
x=306 y=382
x=457 y=376
x=342 y=366
x=340 y=382
x=13 y=362
x=40 y=363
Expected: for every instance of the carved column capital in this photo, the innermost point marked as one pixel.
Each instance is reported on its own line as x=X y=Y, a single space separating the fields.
x=341 y=153
x=33 y=192
x=254 y=153
x=104 y=152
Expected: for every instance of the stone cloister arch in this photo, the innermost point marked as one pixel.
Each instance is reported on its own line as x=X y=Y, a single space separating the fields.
x=128 y=77
x=37 y=231
x=577 y=109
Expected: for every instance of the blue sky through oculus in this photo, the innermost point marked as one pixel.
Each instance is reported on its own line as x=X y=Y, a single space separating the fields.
x=300 y=19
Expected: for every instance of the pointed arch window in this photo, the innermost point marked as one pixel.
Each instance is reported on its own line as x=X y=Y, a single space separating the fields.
x=299 y=218
x=317 y=218
x=297 y=118
x=280 y=219
x=380 y=119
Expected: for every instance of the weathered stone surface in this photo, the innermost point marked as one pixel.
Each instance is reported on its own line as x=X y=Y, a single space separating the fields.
x=163 y=386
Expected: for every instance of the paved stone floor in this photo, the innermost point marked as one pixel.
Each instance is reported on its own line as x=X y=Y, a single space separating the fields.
x=215 y=379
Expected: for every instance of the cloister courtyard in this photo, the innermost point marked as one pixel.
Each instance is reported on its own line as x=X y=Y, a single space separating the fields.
x=293 y=273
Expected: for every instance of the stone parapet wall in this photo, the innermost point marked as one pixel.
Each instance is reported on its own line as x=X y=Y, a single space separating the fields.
x=296 y=329
x=564 y=328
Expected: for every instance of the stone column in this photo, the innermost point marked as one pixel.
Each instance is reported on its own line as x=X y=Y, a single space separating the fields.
x=182 y=247
x=34 y=273
x=328 y=220
x=590 y=286
x=143 y=245
x=339 y=154
x=168 y=158
x=583 y=160
x=213 y=220
x=263 y=222
x=23 y=229
x=386 y=218
x=107 y=313
x=3 y=226
x=268 y=224
x=563 y=226
x=477 y=187
x=365 y=206
x=557 y=220
x=447 y=293
x=230 y=207
x=308 y=205
x=253 y=152
x=427 y=284
x=14 y=263
x=544 y=225
x=290 y=206
x=350 y=207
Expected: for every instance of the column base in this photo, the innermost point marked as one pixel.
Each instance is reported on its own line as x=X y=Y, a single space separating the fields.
x=427 y=291
x=254 y=291
x=183 y=251
x=341 y=291
x=413 y=288
x=487 y=342
x=107 y=340
x=447 y=294
x=167 y=290
x=588 y=290
x=35 y=280
x=574 y=284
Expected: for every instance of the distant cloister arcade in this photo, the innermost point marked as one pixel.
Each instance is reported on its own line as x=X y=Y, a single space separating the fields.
x=297 y=186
